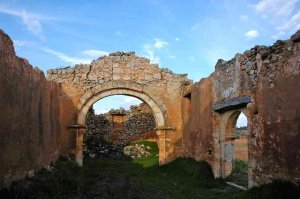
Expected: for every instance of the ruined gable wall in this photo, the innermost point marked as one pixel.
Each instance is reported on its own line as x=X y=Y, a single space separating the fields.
x=29 y=115
x=270 y=75
x=124 y=70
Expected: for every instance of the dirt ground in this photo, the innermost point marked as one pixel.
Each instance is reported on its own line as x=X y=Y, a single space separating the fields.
x=241 y=149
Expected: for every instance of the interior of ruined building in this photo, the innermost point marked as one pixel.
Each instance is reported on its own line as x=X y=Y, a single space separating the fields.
x=44 y=117
x=108 y=133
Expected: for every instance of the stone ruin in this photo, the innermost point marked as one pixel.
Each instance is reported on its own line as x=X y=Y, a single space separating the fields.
x=44 y=117
x=107 y=134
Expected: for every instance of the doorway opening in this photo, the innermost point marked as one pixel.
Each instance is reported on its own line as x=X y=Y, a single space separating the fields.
x=236 y=149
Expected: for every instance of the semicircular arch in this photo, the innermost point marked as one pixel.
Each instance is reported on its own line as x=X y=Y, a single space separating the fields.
x=157 y=112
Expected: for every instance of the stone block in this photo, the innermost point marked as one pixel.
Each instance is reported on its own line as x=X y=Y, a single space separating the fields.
x=231 y=103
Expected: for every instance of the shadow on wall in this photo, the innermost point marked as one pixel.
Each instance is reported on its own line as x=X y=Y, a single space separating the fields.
x=31 y=135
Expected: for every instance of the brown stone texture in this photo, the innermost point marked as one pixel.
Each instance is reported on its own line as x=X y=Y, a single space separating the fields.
x=127 y=74
x=198 y=139
x=29 y=114
x=121 y=126
x=41 y=119
x=271 y=77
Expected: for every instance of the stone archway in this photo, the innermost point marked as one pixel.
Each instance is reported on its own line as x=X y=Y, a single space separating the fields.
x=93 y=97
x=127 y=74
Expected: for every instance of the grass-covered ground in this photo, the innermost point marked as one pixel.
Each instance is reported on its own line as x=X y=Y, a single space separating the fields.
x=239 y=174
x=138 y=178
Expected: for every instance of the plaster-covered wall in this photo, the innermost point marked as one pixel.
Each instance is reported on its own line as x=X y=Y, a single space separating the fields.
x=270 y=76
x=29 y=114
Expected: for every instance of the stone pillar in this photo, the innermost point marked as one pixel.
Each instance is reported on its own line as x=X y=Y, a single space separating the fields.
x=79 y=147
x=164 y=143
x=80 y=129
x=162 y=146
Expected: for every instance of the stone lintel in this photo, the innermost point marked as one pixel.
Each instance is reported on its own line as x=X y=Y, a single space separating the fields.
x=76 y=126
x=232 y=103
x=170 y=128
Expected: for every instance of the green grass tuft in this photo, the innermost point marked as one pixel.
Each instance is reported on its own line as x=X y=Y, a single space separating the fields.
x=138 y=178
x=151 y=160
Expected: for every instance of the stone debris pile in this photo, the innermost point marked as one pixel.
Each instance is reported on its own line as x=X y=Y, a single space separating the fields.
x=137 y=151
x=97 y=147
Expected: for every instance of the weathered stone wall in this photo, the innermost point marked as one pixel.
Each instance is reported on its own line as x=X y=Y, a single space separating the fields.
x=198 y=139
x=29 y=115
x=123 y=73
x=271 y=77
x=139 y=121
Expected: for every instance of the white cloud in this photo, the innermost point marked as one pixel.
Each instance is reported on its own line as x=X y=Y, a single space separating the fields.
x=292 y=23
x=102 y=111
x=281 y=14
x=95 y=53
x=276 y=7
x=32 y=24
x=150 y=53
x=172 y=56
x=150 y=49
x=22 y=43
x=131 y=100
x=5 y=10
x=158 y=43
x=177 y=39
x=252 y=34
x=30 y=20
x=66 y=58
x=278 y=35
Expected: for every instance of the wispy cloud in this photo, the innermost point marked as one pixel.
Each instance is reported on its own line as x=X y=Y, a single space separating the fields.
x=148 y=49
x=22 y=43
x=282 y=14
x=293 y=23
x=102 y=111
x=66 y=58
x=252 y=34
x=32 y=24
x=159 y=43
x=278 y=35
x=131 y=100
x=276 y=7
x=32 y=21
x=151 y=49
x=95 y=53
x=177 y=39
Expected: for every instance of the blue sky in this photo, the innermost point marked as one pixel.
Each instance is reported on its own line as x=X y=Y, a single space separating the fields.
x=184 y=36
x=115 y=101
